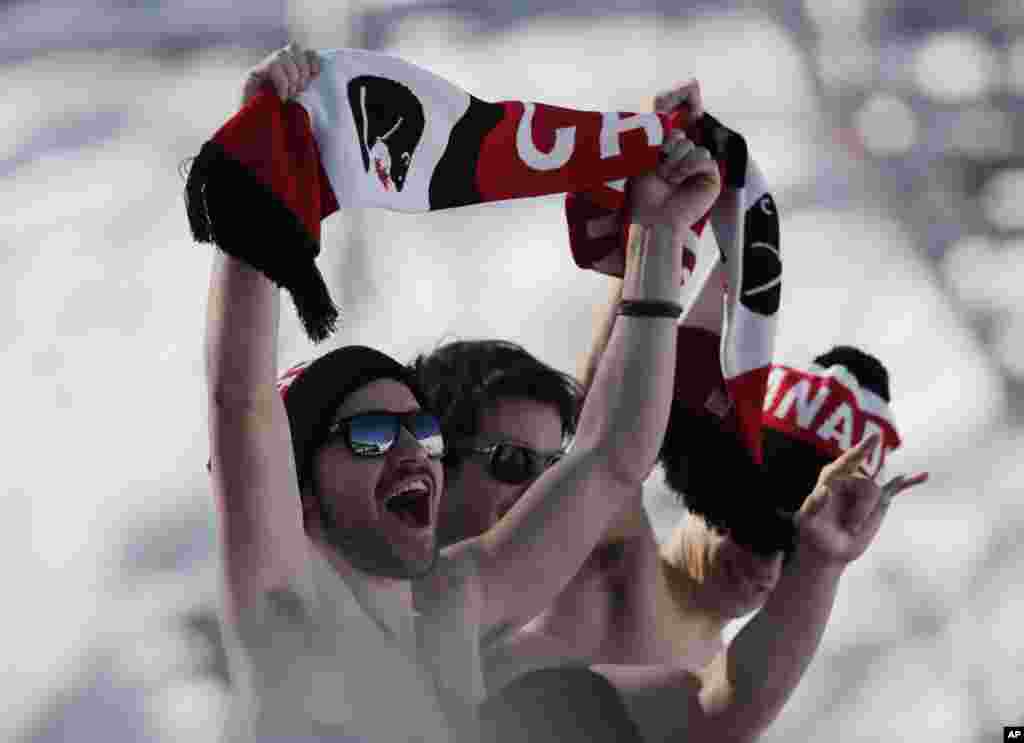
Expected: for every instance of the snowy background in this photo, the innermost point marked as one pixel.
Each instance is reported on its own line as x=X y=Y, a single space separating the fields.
x=892 y=133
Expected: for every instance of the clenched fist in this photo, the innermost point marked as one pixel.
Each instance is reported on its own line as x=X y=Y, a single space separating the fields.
x=289 y=70
x=686 y=182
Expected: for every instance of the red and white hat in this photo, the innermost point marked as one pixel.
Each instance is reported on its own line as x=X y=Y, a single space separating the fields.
x=829 y=409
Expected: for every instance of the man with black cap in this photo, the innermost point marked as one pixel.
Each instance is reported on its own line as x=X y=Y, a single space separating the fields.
x=344 y=619
x=648 y=621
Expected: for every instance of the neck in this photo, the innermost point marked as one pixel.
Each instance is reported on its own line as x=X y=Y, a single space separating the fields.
x=379 y=591
x=695 y=621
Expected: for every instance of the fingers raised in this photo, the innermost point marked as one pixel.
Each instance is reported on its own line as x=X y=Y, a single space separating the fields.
x=850 y=461
x=887 y=492
x=901 y=483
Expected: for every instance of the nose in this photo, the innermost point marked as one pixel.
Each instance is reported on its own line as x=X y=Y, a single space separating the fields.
x=407 y=447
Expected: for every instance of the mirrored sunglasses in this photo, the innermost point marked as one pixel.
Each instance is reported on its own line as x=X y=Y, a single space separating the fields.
x=373 y=433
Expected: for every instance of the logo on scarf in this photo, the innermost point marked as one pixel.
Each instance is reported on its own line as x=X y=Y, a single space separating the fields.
x=761 y=291
x=389 y=123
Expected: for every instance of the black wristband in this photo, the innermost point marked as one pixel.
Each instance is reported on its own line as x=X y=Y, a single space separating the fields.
x=650 y=308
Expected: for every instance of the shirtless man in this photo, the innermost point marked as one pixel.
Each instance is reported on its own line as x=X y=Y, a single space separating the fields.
x=344 y=618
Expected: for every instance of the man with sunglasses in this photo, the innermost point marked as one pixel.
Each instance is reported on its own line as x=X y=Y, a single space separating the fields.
x=507 y=417
x=343 y=618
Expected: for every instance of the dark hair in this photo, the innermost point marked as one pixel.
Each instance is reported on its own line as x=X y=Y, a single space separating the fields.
x=461 y=378
x=709 y=469
x=320 y=388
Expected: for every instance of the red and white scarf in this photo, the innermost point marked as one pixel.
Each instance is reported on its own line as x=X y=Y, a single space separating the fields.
x=727 y=336
x=375 y=131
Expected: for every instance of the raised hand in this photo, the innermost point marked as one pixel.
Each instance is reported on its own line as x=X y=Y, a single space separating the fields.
x=843 y=514
x=686 y=182
x=685 y=98
x=289 y=70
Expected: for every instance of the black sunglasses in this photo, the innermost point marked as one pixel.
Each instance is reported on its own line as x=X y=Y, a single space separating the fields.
x=373 y=433
x=514 y=464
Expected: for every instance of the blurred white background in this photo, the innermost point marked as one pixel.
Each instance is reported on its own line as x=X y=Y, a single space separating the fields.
x=891 y=131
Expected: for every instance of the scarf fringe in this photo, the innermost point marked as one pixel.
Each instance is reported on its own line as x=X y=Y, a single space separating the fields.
x=232 y=209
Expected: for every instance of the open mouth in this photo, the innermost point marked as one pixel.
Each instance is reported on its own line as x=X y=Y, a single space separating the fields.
x=411 y=505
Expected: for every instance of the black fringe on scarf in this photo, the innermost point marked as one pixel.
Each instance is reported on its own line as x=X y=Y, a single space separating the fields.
x=230 y=208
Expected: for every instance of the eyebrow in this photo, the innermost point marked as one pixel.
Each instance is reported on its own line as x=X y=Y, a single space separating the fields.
x=377 y=411
x=488 y=440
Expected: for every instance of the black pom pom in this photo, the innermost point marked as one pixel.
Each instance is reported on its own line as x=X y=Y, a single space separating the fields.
x=869 y=371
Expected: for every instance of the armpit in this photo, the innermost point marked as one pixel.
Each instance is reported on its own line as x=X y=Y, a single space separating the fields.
x=287 y=606
x=279 y=621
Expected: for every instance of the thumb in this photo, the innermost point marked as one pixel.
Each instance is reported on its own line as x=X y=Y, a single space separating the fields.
x=814 y=502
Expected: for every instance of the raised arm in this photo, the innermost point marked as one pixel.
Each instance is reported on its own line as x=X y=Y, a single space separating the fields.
x=604 y=321
x=536 y=548
x=767 y=659
x=252 y=468
x=746 y=687
x=631 y=522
